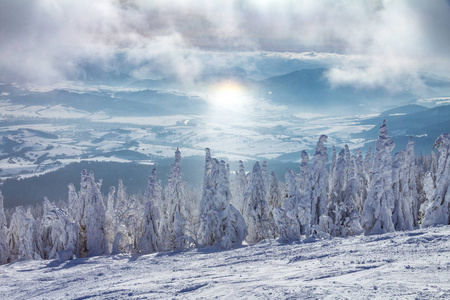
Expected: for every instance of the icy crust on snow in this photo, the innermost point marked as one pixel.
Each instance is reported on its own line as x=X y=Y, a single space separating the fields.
x=406 y=265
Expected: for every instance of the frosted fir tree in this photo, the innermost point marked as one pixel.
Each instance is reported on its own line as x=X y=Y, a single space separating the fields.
x=14 y=233
x=319 y=184
x=338 y=181
x=305 y=195
x=332 y=168
x=287 y=219
x=150 y=238
x=380 y=201
x=220 y=223
x=348 y=219
x=124 y=220
x=4 y=247
x=121 y=202
x=256 y=210
x=53 y=230
x=23 y=236
x=361 y=180
x=405 y=214
x=437 y=209
x=264 y=176
x=95 y=215
x=174 y=205
x=274 y=198
x=368 y=161
x=209 y=233
x=111 y=216
x=241 y=187
x=76 y=208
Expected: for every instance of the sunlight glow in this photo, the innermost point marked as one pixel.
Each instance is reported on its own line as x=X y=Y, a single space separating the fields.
x=230 y=95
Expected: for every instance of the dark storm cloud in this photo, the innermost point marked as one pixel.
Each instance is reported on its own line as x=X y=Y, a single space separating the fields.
x=366 y=42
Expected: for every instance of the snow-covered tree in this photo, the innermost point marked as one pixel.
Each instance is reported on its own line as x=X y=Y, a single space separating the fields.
x=23 y=235
x=274 y=197
x=348 y=218
x=53 y=230
x=174 y=206
x=111 y=216
x=95 y=216
x=368 y=161
x=241 y=187
x=287 y=219
x=338 y=181
x=4 y=247
x=264 y=176
x=437 y=209
x=256 y=210
x=220 y=222
x=319 y=177
x=405 y=214
x=149 y=240
x=361 y=181
x=332 y=168
x=305 y=192
x=380 y=201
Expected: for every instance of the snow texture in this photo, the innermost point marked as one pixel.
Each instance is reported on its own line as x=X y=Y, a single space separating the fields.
x=400 y=265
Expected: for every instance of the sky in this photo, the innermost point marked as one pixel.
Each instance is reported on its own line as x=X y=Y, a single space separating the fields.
x=364 y=43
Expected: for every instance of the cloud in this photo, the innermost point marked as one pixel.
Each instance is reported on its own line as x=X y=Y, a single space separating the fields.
x=367 y=43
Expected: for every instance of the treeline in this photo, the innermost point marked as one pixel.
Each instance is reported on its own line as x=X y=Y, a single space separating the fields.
x=357 y=194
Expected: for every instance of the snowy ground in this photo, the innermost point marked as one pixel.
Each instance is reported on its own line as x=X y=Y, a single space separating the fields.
x=401 y=265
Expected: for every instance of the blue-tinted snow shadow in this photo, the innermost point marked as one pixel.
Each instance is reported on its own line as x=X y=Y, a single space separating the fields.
x=55 y=265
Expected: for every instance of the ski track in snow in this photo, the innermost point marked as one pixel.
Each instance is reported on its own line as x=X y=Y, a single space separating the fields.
x=400 y=265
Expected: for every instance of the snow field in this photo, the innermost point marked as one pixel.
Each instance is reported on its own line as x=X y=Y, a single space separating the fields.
x=400 y=265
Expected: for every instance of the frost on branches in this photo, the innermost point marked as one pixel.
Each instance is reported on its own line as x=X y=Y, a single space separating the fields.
x=4 y=247
x=380 y=201
x=374 y=194
x=220 y=222
x=149 y=240
x=256 y=212
x=437 y=210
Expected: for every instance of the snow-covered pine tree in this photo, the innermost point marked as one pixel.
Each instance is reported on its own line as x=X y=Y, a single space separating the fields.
x=76 y=208
x=110 y=216
x=23 y=236
x=241 y=187
x=14 y=231
x=287 y=219
x=348 y=218
x=264 y=176
x=319 y=177
x=437 y=209
x=332 y=169
x=361 y=181
x=152 y=197
x=53 y=230
x=173 y=207
x=305 y=195
x=274 y=197
x=95 y=223
x=338 y=181
x=405 y=212
x=126 y=223
x=220 y=223
x=4 y=247
x=256 y=211
x=368 y=161
x=380 y=201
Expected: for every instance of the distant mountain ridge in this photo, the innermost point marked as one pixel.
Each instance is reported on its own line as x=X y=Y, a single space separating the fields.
x=310 y=89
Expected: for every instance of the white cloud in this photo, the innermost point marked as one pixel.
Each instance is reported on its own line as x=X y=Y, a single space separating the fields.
x=367 y=43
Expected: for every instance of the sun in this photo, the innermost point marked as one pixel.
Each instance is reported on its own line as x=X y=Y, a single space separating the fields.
x=229 y=94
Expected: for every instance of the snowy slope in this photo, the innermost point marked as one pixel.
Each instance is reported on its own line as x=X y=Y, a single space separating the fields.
x=401 y=265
